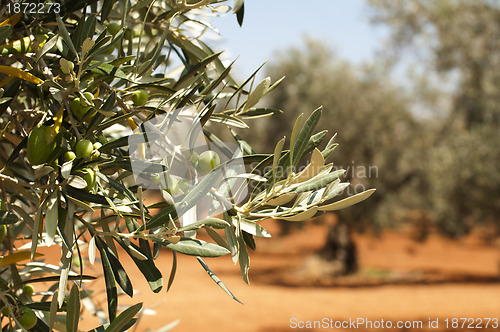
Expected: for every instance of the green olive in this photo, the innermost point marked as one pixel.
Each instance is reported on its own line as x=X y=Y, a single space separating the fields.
x=28 y=290
x=69 y=155
x=156 y=179
x=28 y=318
x=140 y=97
x=207 y=161
x=89 y=97
x=84 y=148
x=78 y=109
x=40 y=145
x=113 y=28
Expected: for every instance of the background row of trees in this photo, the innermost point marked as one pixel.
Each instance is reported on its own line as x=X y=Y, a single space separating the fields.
x=432 y=135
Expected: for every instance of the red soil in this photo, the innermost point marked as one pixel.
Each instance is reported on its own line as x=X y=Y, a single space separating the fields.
x=399 y=279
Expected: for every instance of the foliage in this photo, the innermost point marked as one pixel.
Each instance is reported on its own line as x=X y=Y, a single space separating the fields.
x=88 y=81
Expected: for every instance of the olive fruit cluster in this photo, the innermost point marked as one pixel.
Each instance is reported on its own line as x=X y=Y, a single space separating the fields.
x=81 y=105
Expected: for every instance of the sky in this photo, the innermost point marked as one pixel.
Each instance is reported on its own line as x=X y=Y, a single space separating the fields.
x=272 y=25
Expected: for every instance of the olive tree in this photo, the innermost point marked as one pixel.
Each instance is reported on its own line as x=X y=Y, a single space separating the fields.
x=459 y=43
x=104 y=102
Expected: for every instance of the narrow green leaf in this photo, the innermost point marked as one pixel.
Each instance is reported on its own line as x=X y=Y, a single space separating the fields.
x=47 y=46
x=240 y=14
x=78 y=277
x=199 y=191
x=106 y=9
x=124 y=318
x=66 y=169
x=73 y=311
x=65 y=35
x=83 y=195
x=302 y=216
x=53 y=310
x=109 y=279
x=335 y=190
x=254 y=228
x=314 y=142
x=7 y=218
x=86 y=46
x=318 y=182
x=212 y=222
x=119 y=273
x=249 y=240
x=330 y=146
x=257 y=113
x=36 y=227
x=237 y=5
x=243 y=258
x=195 y=247
x=51 y=219
x=244 y=146
x=146 y=266
x=282 y=199
x=172 y=271
x=107 y=70
x=92 y=250
x=304 y=135
x=217 y=238
x=296 y=130
x=216 y=279
x=232 y=241
x=23 y=214
x=277 y=155
x=228 y=120
x=88 y=32
x=258 y=93
x=346 y=202
x=196 y=69
x=157 y=51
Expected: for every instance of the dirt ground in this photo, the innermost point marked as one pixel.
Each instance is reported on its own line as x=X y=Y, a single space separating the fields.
x=399 y=280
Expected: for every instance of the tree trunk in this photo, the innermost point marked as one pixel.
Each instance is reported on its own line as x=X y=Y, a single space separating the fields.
x=340 y=249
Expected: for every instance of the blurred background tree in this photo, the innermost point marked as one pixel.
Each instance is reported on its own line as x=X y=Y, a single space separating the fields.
x=460 y=42
x=427 y=142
